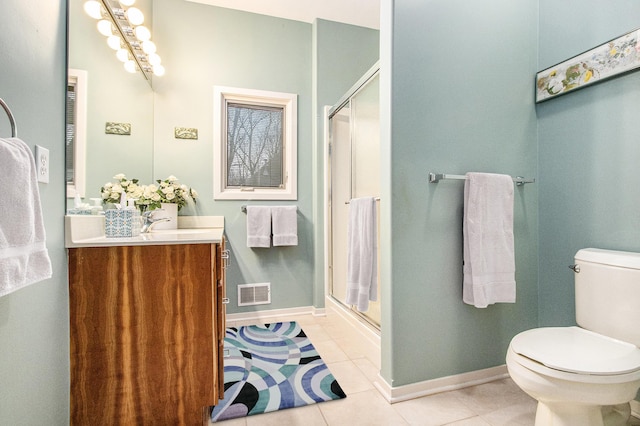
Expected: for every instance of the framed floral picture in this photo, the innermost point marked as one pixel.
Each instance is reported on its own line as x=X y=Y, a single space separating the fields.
x=610 y=59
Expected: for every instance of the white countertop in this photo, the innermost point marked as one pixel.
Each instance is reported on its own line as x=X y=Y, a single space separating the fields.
x=88 y=231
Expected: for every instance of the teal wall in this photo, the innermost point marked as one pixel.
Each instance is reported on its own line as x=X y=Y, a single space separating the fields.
x=342 y=54
x=34 y=330
x=461 y=100
x=589 y=148
x=204 y=46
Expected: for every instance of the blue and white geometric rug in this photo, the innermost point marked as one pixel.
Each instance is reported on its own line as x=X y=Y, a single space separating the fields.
x=272 y=367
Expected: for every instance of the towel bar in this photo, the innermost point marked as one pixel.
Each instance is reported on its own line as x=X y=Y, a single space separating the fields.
x=243 y=208
x=436 y=177
x=12 y=120
x=375 y=198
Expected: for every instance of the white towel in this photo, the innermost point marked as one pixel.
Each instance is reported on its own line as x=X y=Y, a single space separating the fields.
x=24 y=259
x=258 y=226
x=284 y=220
x=362 y=253
x=489 y=260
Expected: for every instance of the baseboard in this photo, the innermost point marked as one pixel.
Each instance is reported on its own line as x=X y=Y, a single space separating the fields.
x=274 y=313
x=635 y=408
x=443 y=384
x=360 y=325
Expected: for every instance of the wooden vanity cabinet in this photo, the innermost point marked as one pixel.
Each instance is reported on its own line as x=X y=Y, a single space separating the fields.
x=147 y=333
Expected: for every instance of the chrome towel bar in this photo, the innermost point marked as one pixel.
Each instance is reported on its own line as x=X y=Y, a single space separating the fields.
x=436 y=177
x=375 y=198
x=243 y=208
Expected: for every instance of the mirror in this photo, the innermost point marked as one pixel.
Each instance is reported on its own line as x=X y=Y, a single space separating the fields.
x=201 y=46
x=114 y=96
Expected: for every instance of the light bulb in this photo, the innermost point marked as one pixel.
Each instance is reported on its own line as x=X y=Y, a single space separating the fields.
x=142 y=33
x=135 y=16
x=93 y=8
x=127 y=3
x=114 y=42
x=130 y=66
x=104 y=27
x=158 y=70
x=154 y=59
x=122 y=55
x=148 y=47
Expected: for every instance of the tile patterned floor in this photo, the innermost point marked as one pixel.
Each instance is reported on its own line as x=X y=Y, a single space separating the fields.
x=356 y=369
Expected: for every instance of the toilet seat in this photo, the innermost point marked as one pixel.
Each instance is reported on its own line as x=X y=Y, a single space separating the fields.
x=576 y=350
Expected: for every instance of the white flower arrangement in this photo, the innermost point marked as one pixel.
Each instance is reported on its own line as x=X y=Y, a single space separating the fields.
x=148 y=197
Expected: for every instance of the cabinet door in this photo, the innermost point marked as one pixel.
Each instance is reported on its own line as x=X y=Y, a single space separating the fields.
x=222 y=258
x=142 y=334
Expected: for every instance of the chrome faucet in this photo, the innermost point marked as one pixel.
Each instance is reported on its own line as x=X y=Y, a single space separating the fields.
x=149 y=220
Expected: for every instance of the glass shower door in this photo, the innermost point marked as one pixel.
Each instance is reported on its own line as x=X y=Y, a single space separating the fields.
x=355 y=173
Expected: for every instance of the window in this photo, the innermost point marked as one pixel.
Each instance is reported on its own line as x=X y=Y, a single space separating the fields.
x=76 y=135
x=255 y=138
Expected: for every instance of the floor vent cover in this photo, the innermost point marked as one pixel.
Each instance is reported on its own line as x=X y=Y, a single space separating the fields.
x=254 y=294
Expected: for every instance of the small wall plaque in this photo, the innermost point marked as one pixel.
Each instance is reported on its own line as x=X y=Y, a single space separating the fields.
x=186 y=133
x=117 y=128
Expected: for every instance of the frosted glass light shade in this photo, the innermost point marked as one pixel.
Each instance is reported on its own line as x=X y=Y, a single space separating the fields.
x=105 y=27
x=130 y=66
x=158 y=70
x=135 y=16
x=126 y=3
x=142 y=33
x=114 y=42
x=93 y=8
x=122 y=55
x=148 y=47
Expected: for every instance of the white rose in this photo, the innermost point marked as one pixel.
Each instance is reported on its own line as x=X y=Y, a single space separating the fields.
x=119 y=176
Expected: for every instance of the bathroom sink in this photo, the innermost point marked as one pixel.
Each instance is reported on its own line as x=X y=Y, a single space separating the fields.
x=88 y=231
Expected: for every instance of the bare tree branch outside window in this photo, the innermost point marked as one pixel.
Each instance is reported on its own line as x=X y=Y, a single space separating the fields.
x=254 y=146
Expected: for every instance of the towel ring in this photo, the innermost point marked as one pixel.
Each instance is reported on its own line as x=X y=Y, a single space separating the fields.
x=12 y=120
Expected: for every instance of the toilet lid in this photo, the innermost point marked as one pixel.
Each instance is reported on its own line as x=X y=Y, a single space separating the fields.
x=576 y=350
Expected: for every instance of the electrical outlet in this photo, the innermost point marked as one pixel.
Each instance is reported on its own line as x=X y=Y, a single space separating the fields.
x=42 y=164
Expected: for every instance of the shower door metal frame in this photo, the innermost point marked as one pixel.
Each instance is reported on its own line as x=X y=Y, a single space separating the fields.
x=344 y=101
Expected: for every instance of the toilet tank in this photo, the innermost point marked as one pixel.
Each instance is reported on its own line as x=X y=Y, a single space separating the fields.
x=608 y=293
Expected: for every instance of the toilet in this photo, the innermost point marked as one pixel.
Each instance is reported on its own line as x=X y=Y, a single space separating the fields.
x=586 y=375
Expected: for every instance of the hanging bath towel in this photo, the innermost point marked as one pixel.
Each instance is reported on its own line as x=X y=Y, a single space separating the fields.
x=362 y=253
x=489 y=260
x=24 y=259
x=258 y=226
x=284 y=224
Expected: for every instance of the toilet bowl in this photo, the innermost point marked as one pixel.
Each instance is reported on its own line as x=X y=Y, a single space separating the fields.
x=574 y=373
x=586 y=375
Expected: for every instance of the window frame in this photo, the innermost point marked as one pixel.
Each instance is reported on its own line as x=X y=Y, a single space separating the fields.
x=79 y=79
x=222 y=96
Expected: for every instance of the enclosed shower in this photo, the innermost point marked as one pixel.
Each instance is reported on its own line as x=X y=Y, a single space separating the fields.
x=353 y=172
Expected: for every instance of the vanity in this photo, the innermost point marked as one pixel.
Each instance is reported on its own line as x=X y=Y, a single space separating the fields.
x=146 y=322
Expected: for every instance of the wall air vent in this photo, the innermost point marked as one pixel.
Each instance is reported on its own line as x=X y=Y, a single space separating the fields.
x=254 y=294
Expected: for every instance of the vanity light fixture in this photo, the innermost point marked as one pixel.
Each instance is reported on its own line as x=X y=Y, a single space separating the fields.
x=122 y=25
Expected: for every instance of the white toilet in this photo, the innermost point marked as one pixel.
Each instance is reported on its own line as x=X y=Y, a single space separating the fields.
x=586 y=375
